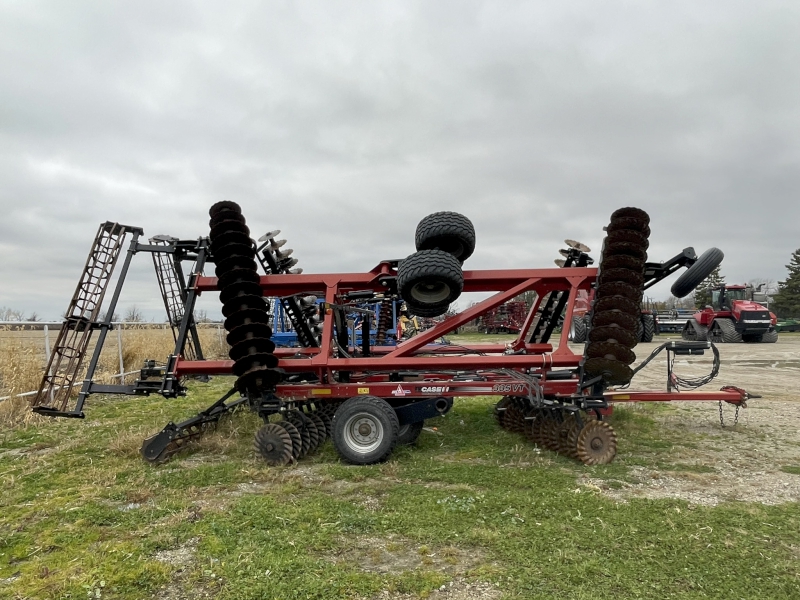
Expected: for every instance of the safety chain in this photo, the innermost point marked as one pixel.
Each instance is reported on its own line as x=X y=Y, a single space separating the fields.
x=735 y=418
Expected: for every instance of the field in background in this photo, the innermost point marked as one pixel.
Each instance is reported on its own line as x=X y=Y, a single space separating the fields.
x=23 y=360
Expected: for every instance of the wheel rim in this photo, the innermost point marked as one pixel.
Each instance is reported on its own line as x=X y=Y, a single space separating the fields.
x=363 y=433
x=430 y=292
x=453 y=247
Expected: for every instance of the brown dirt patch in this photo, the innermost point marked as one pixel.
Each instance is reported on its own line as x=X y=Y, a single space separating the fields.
x=458 y=589
x=396 y=554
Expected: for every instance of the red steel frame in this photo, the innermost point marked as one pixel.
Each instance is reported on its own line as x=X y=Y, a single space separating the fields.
x=370 y=375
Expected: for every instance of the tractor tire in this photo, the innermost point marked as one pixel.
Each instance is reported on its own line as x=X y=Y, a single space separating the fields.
x=365 y=430
x=409 y=433
x=770 y=337
x=427 y=311
x=694 y=332
x=694 y=275
x=430 y=280
x=724 y=331
x=448 y=231
x=579 y=328
x=648 y=328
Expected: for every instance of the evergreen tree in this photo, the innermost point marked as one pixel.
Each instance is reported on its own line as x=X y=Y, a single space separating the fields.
x=786 y=303
x=702 y=294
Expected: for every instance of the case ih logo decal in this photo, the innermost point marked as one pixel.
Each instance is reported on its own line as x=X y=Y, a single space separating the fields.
x=400 y=391
x=434 y=389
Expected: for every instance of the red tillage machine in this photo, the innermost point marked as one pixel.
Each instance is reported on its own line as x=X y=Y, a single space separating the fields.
x=369 y=398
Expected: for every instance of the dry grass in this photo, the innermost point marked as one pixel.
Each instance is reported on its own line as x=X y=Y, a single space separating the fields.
x=15 y=412
x=22 y=360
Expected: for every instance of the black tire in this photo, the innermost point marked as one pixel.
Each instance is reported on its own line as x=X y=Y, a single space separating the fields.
x=409 y=433
x=427 y=311
x=578 y=329
x=648 y=328
x=365 y=430
x=431 y=280
x=694 y=275
x=448 y=231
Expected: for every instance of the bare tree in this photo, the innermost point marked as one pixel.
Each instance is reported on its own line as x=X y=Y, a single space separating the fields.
x=10 y=314
x=114 y=317
x=133 y=315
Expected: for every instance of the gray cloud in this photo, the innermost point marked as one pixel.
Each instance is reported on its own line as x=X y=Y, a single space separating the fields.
x=345 y=123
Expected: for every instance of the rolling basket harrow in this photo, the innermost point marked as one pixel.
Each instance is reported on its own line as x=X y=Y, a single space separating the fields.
x=363 y=393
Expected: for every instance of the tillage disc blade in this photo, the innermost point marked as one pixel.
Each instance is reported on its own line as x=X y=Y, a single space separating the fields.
x=597 y=443
x=274 y=444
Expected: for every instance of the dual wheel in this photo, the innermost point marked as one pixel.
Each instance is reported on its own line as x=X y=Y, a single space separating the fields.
x=432 y=278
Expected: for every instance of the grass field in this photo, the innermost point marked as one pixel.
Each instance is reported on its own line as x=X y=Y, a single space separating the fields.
x=81 y=516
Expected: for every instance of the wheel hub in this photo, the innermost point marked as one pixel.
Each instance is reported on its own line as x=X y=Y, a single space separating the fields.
x=363 y=433
x=430 y=292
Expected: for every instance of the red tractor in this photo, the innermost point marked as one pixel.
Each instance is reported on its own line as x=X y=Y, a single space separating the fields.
x=734 y=316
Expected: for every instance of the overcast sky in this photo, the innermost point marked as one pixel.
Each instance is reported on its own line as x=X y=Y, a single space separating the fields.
x=344 y=123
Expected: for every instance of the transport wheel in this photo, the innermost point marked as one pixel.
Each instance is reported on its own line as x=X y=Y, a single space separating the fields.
x=274 y=444
x=770 y=337
x=409 y=433
x=430 y=280
x=648 y=328
x=448 y=231
x=694 y=275
x=578 y=329
x=597 y=443
x=723 y=330
x=427 y=311
x=365 y=430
